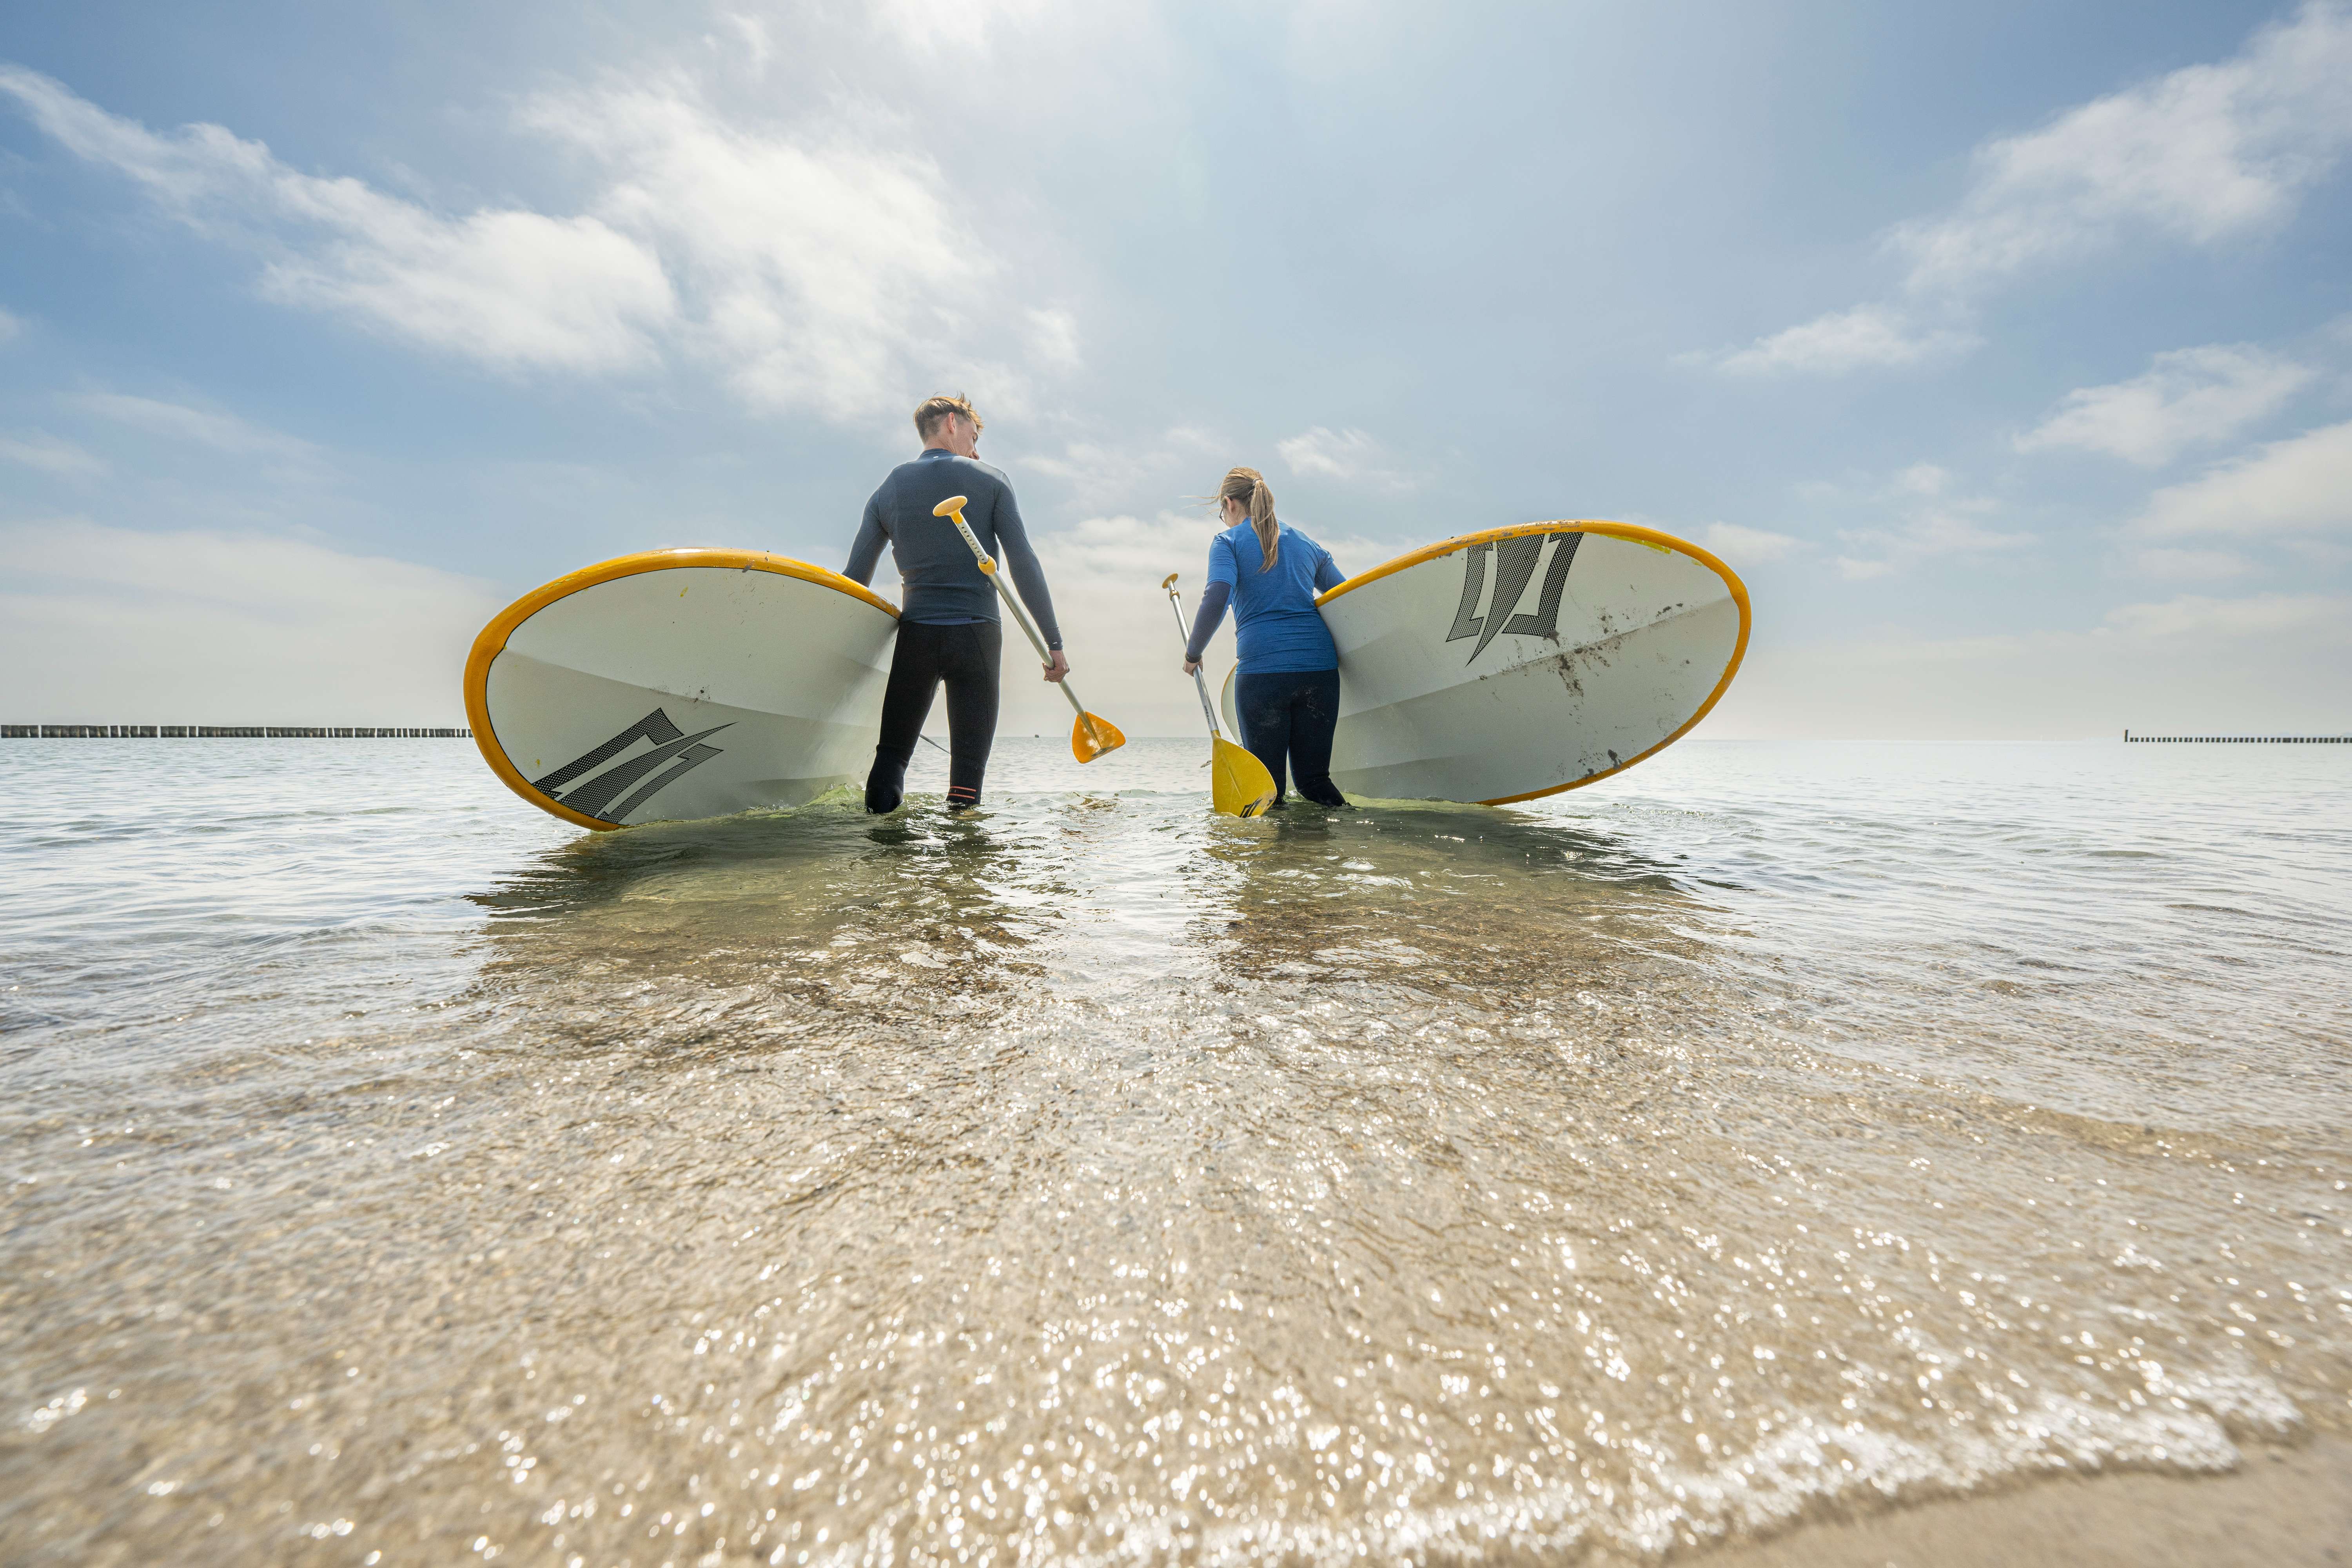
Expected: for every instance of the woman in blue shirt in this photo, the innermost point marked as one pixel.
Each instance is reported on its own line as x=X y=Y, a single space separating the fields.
x=1288 y=694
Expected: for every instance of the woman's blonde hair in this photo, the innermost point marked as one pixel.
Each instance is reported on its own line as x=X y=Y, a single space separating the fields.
x=1248 y=487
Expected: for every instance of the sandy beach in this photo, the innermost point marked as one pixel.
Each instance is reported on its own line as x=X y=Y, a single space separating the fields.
x=2282 y=1506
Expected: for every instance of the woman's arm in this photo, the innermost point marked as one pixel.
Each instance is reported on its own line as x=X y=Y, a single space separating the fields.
x=1207 y=619
x=1328 y=574
x=1223 y=572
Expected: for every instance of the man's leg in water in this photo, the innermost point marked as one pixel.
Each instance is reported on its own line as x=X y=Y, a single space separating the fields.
x=974 y=655
x=1262 y=702
x=906 y=703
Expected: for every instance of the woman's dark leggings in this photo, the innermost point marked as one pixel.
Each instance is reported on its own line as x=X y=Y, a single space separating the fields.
x=966 y=657
x=1287 y=719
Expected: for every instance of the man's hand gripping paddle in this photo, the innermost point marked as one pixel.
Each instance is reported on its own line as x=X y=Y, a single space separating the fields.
x=1093 y=735
x=1239 y=785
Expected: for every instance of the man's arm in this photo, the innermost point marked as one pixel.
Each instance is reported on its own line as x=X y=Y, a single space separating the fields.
x=867 y=553
x=1012 y=543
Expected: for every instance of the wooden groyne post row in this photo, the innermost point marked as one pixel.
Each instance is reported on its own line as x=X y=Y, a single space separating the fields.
x=228 y=732
x=2132 y=740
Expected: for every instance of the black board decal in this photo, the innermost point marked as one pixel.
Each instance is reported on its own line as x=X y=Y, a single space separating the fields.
x=1474 y=583
x=1545 y=621
x=655 y=727
x=1515 y=564
x=669 y=745
x=687 y=761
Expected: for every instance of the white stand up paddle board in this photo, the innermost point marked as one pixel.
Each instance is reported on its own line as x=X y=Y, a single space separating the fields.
x=1523 y=661
x=678 y=684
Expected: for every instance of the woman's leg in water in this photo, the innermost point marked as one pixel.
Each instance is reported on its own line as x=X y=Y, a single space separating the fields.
x=1262 y=702
x=1314 y=714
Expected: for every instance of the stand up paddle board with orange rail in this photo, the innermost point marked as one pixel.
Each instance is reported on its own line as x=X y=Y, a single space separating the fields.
x=678 y=684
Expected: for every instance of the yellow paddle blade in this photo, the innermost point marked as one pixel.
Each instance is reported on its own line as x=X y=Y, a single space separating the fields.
x=1239 y=783
x=1091 y=735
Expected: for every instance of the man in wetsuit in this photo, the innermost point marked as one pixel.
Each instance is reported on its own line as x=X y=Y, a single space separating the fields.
x=947 y=628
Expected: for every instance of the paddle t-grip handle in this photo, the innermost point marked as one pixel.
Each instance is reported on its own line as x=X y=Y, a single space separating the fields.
x=952 y=510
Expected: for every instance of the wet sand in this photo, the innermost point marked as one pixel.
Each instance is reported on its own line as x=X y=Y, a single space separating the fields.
x=2282 y=1506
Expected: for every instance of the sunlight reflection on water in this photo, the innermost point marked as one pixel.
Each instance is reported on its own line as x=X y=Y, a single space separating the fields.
x=393 y=1170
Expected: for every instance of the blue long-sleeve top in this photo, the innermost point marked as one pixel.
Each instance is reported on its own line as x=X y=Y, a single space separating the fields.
x=1277 y=628
x=944 y=586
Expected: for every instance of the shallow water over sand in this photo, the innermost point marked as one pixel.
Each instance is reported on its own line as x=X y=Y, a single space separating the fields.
x=1772 y=1132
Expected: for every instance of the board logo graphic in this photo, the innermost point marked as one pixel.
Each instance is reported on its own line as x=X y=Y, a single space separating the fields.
x=1515 y=567
x=683 y=753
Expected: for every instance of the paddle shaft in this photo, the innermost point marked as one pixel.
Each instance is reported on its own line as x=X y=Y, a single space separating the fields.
x=988 y=569
x=1242 y=786
x=1199 y=684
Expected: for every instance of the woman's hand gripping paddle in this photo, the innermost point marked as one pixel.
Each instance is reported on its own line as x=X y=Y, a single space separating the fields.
x=1239 y=785
x=1093 y=735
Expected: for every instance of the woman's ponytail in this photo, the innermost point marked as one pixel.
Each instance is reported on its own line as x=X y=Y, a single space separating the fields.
x=1248 y=487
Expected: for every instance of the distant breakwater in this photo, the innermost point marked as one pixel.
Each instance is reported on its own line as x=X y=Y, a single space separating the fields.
x=2132 y=740
x=228 y=732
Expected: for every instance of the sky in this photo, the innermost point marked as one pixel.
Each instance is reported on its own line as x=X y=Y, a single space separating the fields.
x=2005 y=351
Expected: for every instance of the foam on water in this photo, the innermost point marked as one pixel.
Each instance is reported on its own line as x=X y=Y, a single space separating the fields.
x=1773 y=1131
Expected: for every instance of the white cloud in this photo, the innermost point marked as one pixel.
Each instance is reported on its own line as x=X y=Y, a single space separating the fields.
x=1736 y=543
x=961 y=25
x=2203 y=565
x=1054 y=337
x=2273 y=664
x=818 y=271
x=1336 y=454
x=1942 y=531
x=1930 y=519
x=1179 y=460
x=750 y=42
x=51 y=454
x=1921 y=479
x=831 y=274
x=2202 y=155
x=2300 y=485
x=10 y=326
x=507 y=287
x=1866 y=337
x=1349 y=455
x=207 y=427
x=2187 y=396
x=2261 y=616
x=276 y=457
x=109 y=624
x=1937 y=532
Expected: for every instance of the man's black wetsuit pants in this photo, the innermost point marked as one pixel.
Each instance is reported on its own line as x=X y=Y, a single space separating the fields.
x=1287 y=719
x=966 y=657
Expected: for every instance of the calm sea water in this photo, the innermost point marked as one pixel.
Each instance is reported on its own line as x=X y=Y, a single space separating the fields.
x=395 y=1175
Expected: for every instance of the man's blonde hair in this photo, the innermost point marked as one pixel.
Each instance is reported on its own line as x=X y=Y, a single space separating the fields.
x=935 y=409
